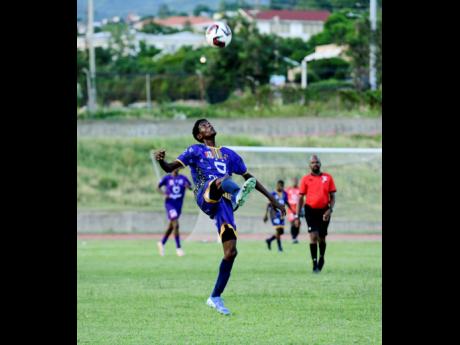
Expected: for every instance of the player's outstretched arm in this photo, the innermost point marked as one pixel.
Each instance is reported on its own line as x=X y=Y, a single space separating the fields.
x=265 y=192
x=266 y=213
x=167 y=167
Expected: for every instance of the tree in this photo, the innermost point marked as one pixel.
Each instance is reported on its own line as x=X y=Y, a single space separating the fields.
x=154 y=28
x=232 y=6
x=249 y=61
x=201 y=8
x=164 y=11
x=292 y=48
x=354 y=31
x=283 y=4
x=334 y=68
x=145 y=57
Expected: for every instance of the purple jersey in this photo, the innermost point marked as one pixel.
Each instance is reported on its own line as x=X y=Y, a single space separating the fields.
x=175 y=187
x=282 y=198
x=207 y=163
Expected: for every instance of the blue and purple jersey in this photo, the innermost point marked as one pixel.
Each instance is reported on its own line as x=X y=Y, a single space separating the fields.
x=175 y=191
x=175 y=186
x=276 y=215
x=207 y=163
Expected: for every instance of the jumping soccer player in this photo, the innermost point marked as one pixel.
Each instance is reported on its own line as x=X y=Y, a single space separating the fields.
x=319 y=190
x=174 y=188
x=216 y=194
x=276 y=216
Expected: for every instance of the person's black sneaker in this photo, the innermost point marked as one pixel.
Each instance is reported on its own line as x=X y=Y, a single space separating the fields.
x=321 y=263
x=269 y=244
x=294 y=241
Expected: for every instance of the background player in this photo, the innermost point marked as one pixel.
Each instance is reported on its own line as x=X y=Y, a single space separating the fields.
x=276 y=216
x=174 y=187
x=216 y=194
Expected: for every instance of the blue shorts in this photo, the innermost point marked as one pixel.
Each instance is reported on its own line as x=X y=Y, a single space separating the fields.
x=220 y=210
x=173 y=209
x=278 y=221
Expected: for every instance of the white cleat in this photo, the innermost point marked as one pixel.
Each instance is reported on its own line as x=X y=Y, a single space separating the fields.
x=161 y=248
x=218 y=304
x=180 y=252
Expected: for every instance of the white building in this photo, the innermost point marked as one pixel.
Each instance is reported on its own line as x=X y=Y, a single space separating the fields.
x=167 y=43
x=288 y=24
x=100 y=40
x=198 y=24
x=171 y=43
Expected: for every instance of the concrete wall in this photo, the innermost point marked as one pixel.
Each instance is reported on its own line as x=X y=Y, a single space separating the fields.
x=272 y=127
x=155 y=222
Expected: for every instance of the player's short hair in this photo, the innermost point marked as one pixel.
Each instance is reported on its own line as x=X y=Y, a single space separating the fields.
x=315 y=156
x=280 y=182
x=196 y=130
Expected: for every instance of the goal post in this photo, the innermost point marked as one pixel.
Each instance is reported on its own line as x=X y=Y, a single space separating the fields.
x=357 y=173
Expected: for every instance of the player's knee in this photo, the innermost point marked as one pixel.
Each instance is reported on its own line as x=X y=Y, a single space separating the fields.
x=314 y=238
x=215 y=190
x=231 y=254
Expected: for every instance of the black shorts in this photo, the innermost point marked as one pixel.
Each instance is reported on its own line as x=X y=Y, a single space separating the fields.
x=279 y=230
x=315 y=222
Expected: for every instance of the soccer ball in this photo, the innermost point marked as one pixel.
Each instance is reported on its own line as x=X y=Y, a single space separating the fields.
x=218 y=35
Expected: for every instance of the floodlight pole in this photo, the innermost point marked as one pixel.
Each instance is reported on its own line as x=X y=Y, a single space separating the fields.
x=372 y=48
x=92 y=57
x=147 y=91
x=88 y=87
x=304 y=74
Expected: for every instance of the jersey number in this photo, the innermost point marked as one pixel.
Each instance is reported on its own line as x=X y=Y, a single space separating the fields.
x=221 y=167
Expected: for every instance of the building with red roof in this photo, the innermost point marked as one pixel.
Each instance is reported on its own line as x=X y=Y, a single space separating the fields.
x=179 y=22
x=288 y=23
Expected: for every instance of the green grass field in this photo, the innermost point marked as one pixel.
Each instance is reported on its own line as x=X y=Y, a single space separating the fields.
x=127 y=294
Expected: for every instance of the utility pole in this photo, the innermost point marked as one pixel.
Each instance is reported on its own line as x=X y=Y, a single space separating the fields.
x=92 y=58
x=373 y=48
x=304 y=74
x=88 y=86
x=147 y=89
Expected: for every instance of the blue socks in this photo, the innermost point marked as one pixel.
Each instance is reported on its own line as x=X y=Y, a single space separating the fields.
x=222 y=279
x=232 y=188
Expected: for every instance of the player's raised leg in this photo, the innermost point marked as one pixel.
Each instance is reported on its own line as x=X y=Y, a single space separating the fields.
x=239 y=195
x=245 y=190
